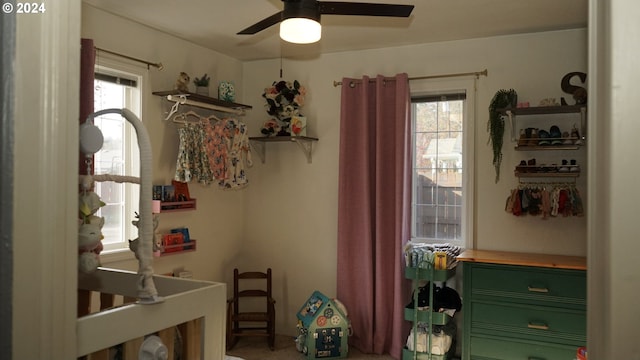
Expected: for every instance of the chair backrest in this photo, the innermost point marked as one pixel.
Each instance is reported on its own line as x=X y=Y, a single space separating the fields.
x=239 y=291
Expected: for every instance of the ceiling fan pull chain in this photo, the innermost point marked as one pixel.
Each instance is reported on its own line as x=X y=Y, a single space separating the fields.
x=280 y=62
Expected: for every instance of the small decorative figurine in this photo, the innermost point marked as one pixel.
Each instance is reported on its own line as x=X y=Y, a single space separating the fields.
x=182 y=82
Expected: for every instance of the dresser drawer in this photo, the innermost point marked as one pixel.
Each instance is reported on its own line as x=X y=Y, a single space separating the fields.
x=556 y=325
x=529 y=284
x=486 y=348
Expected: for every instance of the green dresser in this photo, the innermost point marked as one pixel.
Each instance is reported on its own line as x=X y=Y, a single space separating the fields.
x=523 y=306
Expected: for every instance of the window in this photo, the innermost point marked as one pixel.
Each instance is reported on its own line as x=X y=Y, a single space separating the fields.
x=117 y=86
x=442 y=168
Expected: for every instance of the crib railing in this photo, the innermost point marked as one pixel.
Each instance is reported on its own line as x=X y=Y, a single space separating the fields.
x=192 y=317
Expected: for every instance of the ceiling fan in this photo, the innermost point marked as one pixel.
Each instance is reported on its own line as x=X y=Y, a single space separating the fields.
x=301 y=18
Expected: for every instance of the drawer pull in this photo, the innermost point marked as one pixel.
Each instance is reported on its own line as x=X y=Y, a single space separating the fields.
x=539 y=327
x=537 y=289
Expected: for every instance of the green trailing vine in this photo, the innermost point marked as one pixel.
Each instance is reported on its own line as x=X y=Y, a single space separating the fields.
x=502 y=99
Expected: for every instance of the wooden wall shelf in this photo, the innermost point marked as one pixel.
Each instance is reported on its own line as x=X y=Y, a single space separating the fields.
x=179 y=248
x=304 y=142
x=203 y=99
x=174 y=206
x=544 y=110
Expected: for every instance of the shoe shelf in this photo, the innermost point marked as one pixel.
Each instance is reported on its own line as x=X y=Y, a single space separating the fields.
x=544 y=110
x=521 y=147
x=514 y=113
x=532 y=171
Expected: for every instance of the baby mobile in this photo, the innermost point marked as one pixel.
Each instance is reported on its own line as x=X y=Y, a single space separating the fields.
x=90 y=227
x=89 y=245
x=89 y=224
x=283 y=102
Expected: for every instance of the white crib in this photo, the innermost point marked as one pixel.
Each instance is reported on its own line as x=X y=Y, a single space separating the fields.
x=196 y=307
x=163 y=303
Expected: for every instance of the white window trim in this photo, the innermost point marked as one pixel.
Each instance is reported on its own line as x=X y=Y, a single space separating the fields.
x=451 y=85
x=103 y=63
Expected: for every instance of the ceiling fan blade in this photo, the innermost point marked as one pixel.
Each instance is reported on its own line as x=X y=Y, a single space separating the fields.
x=263 y=24
x=366 y=9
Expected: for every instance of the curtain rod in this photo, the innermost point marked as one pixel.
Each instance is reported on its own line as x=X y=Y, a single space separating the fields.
x=157 y=65
x=477 y=74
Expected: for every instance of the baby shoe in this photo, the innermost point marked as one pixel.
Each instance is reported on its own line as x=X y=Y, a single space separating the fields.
x=522 y=167
x=555 y=135
x=564 y=167
x=522 y=141
x=544 y=138
x=575 y=136
x=533 y=138
x=565 y=139
x=574 y=166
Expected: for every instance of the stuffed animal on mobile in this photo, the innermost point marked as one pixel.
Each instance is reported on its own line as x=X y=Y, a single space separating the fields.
x=89 y=246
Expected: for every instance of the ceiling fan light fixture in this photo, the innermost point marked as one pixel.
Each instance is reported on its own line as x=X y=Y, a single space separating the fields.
x=300 y=30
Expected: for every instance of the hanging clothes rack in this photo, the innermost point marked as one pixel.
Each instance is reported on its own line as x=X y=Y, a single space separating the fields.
x=182 y=118
x=200 y=101
x=182 y=100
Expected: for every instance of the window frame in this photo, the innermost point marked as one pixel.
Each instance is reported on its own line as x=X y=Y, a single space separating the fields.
x=114 y=66
x=430 y=87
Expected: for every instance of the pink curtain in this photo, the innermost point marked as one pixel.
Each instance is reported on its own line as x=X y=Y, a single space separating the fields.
x=374 y=210
x=87 y=63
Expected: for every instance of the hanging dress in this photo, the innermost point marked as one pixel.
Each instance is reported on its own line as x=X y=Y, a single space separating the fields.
x=229 y=153
x=193 y=160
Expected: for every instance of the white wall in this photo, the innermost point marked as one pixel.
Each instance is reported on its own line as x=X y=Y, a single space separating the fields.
x=217 y=222
x=291 y=212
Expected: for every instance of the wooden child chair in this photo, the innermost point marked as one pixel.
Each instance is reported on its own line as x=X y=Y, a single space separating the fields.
x=258 y=323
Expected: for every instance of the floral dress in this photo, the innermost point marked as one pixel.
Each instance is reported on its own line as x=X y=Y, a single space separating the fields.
x=193 y=159
x=229 y=153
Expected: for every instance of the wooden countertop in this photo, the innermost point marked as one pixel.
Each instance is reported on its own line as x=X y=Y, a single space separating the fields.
x=525 y=259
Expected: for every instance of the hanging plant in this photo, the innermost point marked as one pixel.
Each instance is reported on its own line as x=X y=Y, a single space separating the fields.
x=502 y=99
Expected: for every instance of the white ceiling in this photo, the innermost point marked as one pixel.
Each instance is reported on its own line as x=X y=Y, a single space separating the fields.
x=214 y=23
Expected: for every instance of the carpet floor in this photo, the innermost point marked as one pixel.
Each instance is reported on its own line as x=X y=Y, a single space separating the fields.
x=255 y=348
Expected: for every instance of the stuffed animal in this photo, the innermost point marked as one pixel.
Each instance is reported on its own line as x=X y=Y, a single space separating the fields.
x=89 y=227
x=182 y=82
x=88 y=204
x=89 y=245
